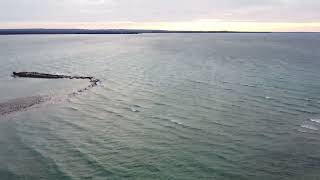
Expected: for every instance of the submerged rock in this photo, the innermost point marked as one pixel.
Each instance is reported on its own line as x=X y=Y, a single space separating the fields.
x=20 y=104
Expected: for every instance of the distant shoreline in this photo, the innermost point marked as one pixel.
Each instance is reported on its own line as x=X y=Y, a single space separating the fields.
x=100 y=31
x=112 y=31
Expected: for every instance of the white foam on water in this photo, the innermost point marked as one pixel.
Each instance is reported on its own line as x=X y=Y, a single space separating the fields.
x=306 y=126
x=133 y=109
x=315 y=120
x=267 y=97
x=176 y=122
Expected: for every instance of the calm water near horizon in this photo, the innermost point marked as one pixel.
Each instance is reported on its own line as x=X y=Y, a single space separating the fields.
x=170 y=106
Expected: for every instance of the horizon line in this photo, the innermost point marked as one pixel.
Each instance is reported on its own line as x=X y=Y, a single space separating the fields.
x=196 y=25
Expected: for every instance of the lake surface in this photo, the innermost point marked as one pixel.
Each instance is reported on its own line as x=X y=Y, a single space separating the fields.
x=170 y=106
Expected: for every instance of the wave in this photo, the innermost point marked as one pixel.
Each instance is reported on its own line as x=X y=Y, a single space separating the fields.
x=134 y=109
x=176 y=122
x=315 y=120
x=248 y=85
x=306 y=126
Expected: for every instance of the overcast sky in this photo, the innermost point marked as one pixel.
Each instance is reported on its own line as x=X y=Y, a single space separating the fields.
x=150 y=11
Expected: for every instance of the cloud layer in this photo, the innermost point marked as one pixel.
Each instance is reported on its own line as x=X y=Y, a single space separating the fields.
x=155 y=11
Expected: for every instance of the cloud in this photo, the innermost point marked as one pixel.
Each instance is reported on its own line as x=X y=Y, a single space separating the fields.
x=159 y=10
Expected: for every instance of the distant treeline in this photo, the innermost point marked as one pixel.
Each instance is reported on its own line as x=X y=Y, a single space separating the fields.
x=98 y=31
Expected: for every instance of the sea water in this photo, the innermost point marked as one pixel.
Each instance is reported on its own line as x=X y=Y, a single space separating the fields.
x=169 y=106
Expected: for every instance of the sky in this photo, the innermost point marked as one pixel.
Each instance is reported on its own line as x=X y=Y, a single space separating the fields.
x=232 y=15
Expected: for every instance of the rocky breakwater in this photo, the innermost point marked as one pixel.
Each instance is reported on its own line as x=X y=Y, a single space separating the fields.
x=23 y=103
